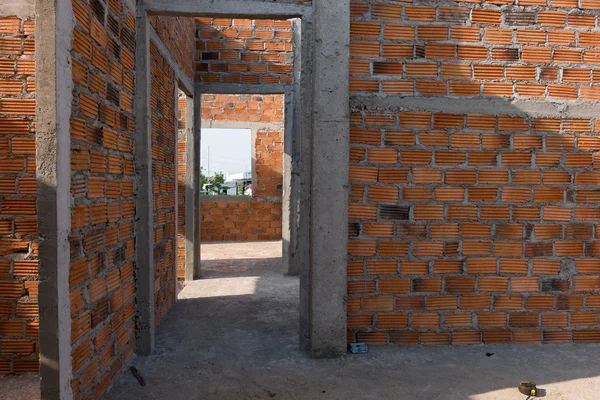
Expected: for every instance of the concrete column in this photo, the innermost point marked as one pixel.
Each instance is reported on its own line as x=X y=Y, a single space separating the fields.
x=190 y=190
x=144 y=251
x=54 y=85
x=303 y=106
x=193 y=152
x=288 y=209
x=329 y=194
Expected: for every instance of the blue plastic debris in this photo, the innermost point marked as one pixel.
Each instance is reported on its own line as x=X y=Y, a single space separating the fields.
x=357 y=348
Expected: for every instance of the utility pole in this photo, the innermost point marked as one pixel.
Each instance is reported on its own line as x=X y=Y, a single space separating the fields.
x=208 y=159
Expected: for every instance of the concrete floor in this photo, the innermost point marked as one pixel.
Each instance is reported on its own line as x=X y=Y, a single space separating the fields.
x=233 y=335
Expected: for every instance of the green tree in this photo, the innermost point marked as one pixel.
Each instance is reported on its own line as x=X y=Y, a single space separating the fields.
x=217 y=184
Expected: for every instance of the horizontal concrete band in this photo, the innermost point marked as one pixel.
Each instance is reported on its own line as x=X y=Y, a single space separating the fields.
x=240 y=199
x=254 y=126
x=19 y=8
x=231 y=9
x=489 y=106
x=236 y=88
x=185 y=83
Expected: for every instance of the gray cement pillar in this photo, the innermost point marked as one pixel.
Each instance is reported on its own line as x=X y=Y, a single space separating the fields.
x=54 y=85
x=193 y=152
x=329 y=194
x=289 y=196
x=145 y=321
x=303 y=95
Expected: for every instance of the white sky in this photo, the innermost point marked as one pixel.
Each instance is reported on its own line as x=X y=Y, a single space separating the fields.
x=228 y=150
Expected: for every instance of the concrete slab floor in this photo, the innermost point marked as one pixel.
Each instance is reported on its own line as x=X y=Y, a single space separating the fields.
x=20 y=387
x=233 y=335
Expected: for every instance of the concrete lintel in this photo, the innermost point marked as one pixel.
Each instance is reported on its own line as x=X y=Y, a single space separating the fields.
x=194 y=154
x=329 y=194
x=490 y=106
x=185 y=83
x=18 y=8
x=54 y=87
x=255 y=9
x=145 y=319
x=239 y=199
x=191 y=192
x=254 y=126
x=237 y=88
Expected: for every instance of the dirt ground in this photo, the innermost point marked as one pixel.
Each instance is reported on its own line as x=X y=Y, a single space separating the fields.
x=234 y=335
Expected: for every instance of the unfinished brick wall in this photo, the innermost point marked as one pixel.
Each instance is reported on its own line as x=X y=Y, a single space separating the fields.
x=164 y=148
x=246 y=107
x=102 y=217
x=243 y=51
x=260 y=217
x=469 y=228
x=177 y=33
x=18 y=223
x=181 y=168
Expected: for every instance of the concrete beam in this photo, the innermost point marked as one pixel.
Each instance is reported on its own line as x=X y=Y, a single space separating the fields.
x=255 y=9
x=185 y=83
x=254 y=126
x=236 y=88
x=145 y=321
x=195 y=179
x=329 y=194
x=19 y=8
x=192 y=252
x=490 y=106
x=54 y=86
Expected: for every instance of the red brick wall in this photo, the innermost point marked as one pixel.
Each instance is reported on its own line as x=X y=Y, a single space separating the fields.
x=476 y=49
x=243 y=51
x=245 y=107
x=181 y=140
x=102 y=217
x=258 y=218
x=470 y=228
x=177 y=33
x=163 y=180
x=18 y=225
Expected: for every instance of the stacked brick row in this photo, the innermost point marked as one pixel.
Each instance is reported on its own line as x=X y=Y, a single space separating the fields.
x=102 y=238
x=164 y=142
x=181 y=159
x=177 y=34
x=243 y=107
x=538 y=49
x=18 y=223
x=243 y=51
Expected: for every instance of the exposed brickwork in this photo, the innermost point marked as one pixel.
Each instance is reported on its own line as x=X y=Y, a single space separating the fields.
x=102 y=217
x=256 y=220
x=177 y=33
x=473 y=228
x=243 y=51
x=181 y=159
x=245 y=107
x=492 y=48
x=259 y=218
x=18 y=223
x=163 y=180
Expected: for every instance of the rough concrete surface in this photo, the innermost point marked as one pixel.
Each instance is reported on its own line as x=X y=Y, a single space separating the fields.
x=21 y=387
x=234 y=335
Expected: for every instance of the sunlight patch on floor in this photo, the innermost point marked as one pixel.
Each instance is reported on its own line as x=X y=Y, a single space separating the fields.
x=220 y=287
